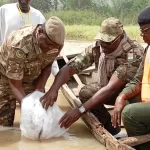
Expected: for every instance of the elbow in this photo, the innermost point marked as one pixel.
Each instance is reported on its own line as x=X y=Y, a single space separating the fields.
x=66 y=71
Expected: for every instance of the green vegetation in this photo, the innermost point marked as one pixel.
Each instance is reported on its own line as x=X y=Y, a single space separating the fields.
x=84 y=25
x=83 y=17
x=85 y=32
x=72 y=17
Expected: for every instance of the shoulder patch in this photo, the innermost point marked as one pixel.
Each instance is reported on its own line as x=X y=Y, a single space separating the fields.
x=126 y=46
x=19 y=54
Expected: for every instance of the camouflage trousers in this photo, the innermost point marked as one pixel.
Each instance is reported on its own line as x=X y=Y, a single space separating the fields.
x=8 y=102
x=100 y=111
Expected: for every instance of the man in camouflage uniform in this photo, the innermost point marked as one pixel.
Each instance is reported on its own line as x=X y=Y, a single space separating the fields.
x=26 y=57
x=116 y=57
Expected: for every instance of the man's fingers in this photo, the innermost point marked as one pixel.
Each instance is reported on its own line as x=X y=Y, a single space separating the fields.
x=51 y=102
x=41 y=99
x=46 y=105
x=114 y=119
x=43 y=103
x=63 y=122
x=69 y=124
x=119 y=119
x=62 y=118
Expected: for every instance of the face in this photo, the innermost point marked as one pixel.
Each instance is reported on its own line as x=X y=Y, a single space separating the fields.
x=145 y=33
x=109 y=47
x=24 y=5
x=44 y=42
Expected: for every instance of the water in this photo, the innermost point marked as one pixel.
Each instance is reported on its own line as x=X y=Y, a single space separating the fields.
x=10 y=138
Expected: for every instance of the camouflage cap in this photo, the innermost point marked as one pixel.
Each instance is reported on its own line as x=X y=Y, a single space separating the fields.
x=55 y=30
x=111 y=28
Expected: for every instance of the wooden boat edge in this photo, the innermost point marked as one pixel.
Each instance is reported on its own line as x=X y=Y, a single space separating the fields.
x=102 y=135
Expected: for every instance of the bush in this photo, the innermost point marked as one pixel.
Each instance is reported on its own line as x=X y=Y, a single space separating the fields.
x=71 y=17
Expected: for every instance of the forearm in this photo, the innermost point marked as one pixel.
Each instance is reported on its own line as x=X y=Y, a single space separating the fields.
x=17 y=90
x=130 y=91
x=62 y=77
x=99 y=97
x=134 y=86
x=43 y=79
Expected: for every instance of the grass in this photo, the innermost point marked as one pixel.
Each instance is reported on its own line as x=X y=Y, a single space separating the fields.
x=84 y=25
x=71 y=17
x=88 y=33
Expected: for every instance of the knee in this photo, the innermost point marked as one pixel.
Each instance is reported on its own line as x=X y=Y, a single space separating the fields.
x=126 y=112
x=130 y=111
x=86 y=93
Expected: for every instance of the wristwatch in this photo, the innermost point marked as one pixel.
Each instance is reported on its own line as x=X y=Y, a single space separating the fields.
x=82 y=109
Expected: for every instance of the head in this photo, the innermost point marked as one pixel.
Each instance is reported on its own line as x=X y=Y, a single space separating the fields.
x=144 y=23
x=24 y=5
x=51 y=35
x=111 y=34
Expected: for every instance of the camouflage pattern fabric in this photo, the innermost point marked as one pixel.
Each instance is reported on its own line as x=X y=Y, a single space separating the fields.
x=110 y=29
x=134 y=86
x=7 y=107
x=20 y=59
x=8 y=101
x=125 y=67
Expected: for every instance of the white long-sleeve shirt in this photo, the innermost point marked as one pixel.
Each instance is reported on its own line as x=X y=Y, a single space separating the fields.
x=11 y=19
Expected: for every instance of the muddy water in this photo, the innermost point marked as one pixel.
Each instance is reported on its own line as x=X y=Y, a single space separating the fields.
x=10 y=138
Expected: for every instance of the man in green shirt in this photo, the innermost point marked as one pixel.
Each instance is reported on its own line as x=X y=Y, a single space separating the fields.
x=136 y=117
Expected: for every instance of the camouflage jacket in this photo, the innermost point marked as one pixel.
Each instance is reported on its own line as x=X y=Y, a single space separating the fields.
x=126 y=65
x=134 y=86
x=20 y=56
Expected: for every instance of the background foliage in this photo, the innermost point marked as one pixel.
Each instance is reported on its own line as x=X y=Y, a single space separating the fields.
x=90 y=12
x=83 y=17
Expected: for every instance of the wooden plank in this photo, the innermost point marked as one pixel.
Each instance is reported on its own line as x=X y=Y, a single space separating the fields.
x=100 y=133
x=88 y=70
x=132 y=141
x=75 y=75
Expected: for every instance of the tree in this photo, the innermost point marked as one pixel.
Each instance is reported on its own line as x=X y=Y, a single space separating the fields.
x=45 y=5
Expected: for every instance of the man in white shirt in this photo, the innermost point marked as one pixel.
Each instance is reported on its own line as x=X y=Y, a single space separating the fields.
x=16 y=15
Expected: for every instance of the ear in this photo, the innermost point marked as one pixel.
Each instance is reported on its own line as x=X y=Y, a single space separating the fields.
x=40 y=30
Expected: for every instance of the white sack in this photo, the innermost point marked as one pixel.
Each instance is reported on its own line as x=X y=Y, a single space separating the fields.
x=38 y=123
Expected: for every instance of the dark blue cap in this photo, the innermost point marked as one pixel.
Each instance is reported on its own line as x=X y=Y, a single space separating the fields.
x=144 y=17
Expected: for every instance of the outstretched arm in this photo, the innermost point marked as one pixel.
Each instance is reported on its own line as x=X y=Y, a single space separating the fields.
x=17 y=89
x=62 y=77
x=115 y=85
x=131 y=89
x=45 y=73
x=76 y=65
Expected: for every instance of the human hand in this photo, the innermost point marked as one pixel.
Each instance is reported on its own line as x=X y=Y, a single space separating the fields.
x=119 y=105
x=69 y=118
x=49 y=98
